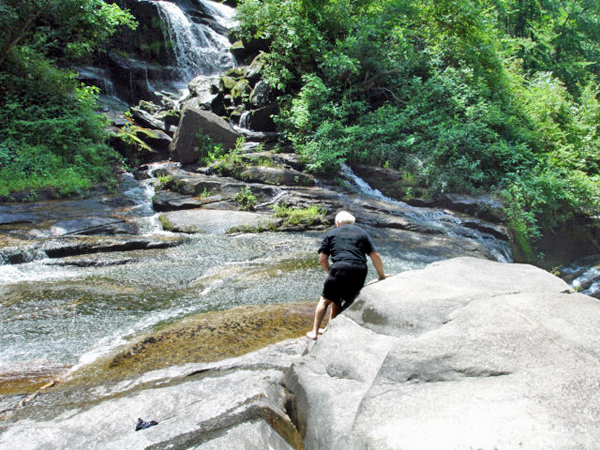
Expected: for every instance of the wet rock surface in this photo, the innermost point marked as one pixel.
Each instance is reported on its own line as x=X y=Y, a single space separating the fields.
x=431 y=227
x=18 y=252
x=236 y=403
x=466 y=353
x=205 y=338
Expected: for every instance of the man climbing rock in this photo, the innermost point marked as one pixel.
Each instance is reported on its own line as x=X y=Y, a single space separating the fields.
x=348 y=246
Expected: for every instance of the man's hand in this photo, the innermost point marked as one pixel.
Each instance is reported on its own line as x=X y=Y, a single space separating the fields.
x=378 y=264
x=324 y=261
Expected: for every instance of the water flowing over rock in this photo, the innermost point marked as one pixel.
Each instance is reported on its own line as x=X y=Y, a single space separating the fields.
x=199 y=50
x=235 y=403
x=176 y=41
x=465 y=353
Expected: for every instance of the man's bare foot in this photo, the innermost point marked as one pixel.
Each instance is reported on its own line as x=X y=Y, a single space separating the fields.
x=311 y=335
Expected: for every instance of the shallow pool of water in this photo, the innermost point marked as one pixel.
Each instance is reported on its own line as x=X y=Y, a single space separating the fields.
x=57 y=314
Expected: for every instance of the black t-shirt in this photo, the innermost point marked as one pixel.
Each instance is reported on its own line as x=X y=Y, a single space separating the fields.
x=348 y=243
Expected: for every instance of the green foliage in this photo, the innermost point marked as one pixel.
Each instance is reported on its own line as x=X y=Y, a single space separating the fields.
x=300 y=216
x=64 y=29
x=165 y=180
x=209 y=150
x=493 y=95
x=245 y=199
x=53 y=139
x=546 y=199
x=133 y=148
x=553 y=36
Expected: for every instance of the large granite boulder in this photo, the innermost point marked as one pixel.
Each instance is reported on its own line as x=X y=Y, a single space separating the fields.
x=464 y=354
x=184 y=148
x=276 y=176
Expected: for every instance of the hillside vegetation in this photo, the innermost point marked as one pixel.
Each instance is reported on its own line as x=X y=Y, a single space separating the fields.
x=475 y=96
x=52 y=138
x=495 y=96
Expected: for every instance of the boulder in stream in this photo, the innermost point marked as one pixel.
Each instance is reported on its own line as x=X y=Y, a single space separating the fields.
x=184 y=147
x=213 y=221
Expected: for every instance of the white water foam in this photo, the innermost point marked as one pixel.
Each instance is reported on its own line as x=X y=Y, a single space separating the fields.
x=224 y=14
x=142 y=192
x=198 y=48
x=34 y=271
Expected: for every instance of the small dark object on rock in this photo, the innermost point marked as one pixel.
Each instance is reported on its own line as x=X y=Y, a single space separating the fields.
x=142 y=425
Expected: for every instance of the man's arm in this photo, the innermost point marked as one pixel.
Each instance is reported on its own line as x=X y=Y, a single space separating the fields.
x=324 y=261
x=378 y=264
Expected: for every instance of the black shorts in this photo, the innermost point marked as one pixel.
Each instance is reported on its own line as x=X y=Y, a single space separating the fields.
x=344 y=282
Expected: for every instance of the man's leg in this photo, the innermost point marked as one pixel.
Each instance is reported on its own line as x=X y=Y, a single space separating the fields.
x=335 y=310
x=319 y=314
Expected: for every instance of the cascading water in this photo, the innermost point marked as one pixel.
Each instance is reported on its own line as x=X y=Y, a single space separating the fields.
x=432 y=218
x=141 y=193
x=199 y=50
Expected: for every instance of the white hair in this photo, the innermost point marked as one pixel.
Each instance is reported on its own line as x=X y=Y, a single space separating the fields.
x=344 y=217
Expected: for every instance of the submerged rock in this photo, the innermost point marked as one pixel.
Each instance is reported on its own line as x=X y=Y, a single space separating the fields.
x=235 y=403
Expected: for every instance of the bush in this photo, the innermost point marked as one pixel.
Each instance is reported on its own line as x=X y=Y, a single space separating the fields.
x=466 y=96
x=300 y=216
x=54 y=139
x=245 y=199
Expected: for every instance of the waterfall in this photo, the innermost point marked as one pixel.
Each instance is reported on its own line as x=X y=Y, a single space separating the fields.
x=198 y=49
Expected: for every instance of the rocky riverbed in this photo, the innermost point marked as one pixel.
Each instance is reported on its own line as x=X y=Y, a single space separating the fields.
x=465 y=353
x=175 y=303
x=83 y=277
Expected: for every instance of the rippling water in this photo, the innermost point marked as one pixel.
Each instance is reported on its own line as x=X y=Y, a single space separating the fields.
x=57 y=314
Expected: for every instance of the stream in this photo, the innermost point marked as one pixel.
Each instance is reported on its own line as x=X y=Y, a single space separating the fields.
x=59 y=314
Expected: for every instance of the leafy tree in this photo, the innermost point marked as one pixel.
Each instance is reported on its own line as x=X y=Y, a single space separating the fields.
x=465 y=95
x=554 y=36
x=59 y=29
x=52 y=136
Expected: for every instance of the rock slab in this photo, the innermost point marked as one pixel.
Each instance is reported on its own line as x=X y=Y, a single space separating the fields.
x=464 y=354
x=184 y=147
x=234 y=403
x=212 y=221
